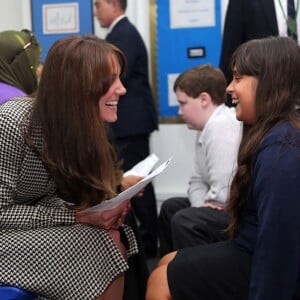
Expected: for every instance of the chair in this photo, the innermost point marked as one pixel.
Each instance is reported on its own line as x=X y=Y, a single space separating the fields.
x=9 y=292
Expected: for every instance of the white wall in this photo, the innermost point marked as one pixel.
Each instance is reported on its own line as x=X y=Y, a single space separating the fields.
x=171 y=139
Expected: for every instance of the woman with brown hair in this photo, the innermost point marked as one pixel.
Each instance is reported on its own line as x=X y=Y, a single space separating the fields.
x=262 y=260
x=55 y=161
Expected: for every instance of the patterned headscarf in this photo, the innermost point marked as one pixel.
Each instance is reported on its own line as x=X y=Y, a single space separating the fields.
x=19 y=58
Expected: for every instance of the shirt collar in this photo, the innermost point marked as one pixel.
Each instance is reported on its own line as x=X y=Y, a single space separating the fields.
x=113 y=24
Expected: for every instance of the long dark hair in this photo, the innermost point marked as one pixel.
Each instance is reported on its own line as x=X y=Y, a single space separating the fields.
x=275 y=63
x=76 y=150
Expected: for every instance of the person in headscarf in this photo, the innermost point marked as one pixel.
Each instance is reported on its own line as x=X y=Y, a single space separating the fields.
x=19 y=59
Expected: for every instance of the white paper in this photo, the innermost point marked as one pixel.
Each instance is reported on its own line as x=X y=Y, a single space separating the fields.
x=130 y=192
x=144 y=167
x=61 y=18
x=192 y=13
x=172 y=101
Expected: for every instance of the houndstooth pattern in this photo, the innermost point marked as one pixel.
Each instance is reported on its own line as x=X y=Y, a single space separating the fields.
x=41 y=247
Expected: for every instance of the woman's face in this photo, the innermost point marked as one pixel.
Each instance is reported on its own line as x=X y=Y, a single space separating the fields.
x=108 y=103
x=243 y=92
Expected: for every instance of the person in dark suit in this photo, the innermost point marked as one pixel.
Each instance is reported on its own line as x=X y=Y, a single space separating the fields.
x=251 y=19
x=137 y=115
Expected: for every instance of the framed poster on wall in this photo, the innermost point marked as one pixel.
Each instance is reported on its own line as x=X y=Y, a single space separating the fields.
x=54 y=19
x=187 y=33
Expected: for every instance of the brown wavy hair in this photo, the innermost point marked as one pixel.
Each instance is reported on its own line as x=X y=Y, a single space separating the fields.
x=275 y=62
x=76 y=149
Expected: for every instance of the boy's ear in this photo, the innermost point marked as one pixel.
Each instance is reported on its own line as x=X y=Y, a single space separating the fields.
x=205 y=99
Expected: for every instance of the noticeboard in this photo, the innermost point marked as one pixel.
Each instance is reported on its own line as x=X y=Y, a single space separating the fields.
x=187 y=33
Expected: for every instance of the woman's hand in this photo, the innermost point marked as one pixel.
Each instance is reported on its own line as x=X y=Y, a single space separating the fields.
x=129 y=181
x=108 y=219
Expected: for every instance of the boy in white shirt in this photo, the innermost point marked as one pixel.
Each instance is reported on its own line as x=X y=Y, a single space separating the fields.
x=200 y=218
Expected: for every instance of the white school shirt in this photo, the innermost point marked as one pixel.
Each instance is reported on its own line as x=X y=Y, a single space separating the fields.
x=216 y=157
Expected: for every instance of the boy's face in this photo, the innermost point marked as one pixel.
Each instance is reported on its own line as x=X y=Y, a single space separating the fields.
x=191 y=110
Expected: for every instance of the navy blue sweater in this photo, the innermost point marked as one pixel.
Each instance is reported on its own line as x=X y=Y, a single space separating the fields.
x=271 y=221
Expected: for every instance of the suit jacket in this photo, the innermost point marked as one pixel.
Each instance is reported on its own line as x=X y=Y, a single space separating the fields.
x=136 y=110
x=246 y=20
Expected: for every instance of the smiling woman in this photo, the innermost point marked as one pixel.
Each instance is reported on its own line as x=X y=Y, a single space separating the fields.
x=109 y=101
x=56 y=160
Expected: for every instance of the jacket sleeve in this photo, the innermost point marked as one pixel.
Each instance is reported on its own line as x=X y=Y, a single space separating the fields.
x=29 y=210
x=233 y=34
x=276 y=191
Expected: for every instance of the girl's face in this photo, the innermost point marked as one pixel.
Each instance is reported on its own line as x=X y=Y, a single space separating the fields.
x=108 y=103
x=243 y=92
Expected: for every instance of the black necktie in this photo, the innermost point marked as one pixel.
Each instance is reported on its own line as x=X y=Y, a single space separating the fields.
x=291 y=21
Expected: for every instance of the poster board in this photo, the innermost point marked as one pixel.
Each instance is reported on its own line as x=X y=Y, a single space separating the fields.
x=188 y=33
x=55 y=19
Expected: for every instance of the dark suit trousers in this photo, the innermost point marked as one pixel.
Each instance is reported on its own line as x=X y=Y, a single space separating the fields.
x=182 y=226
x=132 y=150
